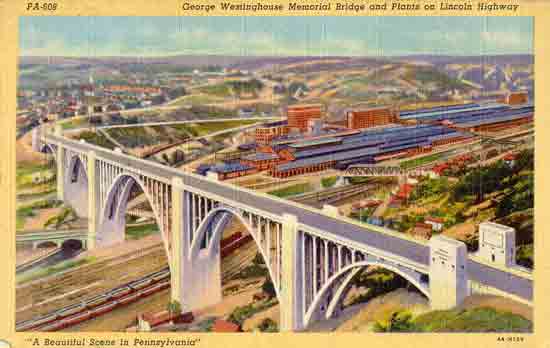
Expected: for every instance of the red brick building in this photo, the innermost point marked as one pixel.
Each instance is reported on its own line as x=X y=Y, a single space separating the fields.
x=517 y=98
x=371 y=117
x=299 y=115
x=263 y=135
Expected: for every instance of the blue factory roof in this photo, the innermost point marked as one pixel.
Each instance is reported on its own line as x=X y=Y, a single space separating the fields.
x=229 y=167
x=489 y=120
x=326 y=158
x=438 y=108
x=337 y=148
x=448 y=136
x=247 y=146
x=314 y=142
x=446 y=113
x=260 y=156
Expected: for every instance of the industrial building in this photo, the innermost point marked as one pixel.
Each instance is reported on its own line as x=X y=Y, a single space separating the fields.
x=299 y=115
x=517 y=98
x=371 y=117
x=317 y=148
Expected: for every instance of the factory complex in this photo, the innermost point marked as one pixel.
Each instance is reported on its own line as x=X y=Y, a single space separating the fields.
x=305 y=143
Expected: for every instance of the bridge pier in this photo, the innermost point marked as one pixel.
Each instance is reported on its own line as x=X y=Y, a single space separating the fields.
x=92 y=200
x=60 y=179
x=196 y=279
x=448 y=273
x=292 y=287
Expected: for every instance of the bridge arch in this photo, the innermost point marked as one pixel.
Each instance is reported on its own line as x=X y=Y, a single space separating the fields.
x=217 y=232
x=343 y=278
x=48 y=149
x=112 y=214
x=76 y=185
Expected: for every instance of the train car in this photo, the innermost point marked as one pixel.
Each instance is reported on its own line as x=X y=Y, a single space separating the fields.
x=140 y=284
x=226 y=241
x=103 y=309
x=32 y=323
x=161 y=276
x=390 y=156
x=42 y=321
x=68 y=311
x=116 y=294
x=97 y=301
x=236 y=244
x=129 y=299
x=54 y=326
x=155 y=288
x=77 y=319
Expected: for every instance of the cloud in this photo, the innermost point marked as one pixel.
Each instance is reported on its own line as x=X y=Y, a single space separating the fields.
x=152 y=38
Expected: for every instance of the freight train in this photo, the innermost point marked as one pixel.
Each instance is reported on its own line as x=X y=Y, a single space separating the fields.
x=118 y=297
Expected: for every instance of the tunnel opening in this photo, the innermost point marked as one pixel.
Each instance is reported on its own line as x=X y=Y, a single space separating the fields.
x=72 y=244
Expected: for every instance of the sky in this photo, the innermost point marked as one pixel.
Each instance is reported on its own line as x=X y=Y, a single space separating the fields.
x=273 y=36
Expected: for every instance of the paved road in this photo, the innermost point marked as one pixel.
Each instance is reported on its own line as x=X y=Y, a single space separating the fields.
x=414 y=251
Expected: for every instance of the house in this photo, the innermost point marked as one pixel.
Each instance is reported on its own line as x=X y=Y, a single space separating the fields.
x=422 y=231
x=510 y=159
x=404 y=191
x=221 y=325
x=435 y=222
x=148 y=321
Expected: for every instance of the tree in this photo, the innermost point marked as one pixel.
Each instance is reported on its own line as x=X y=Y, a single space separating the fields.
x=165 y=158
x=174 y=308
x=269 y=288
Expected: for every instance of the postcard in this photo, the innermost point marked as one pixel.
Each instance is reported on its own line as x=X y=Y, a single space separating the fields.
x=331 y=173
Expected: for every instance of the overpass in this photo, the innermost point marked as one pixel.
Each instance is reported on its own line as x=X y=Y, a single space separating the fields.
x=312 y=255
x=58 y=237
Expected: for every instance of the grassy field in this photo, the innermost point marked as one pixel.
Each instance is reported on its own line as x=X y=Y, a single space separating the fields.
x=196 y=99
x=471 y=320
x=26 y=170
x=138 y=232
x=204 y=128
x=419 y=161
x=292 y=190
x=218 y=90
x=28 y=211
x=329 y=182
x=96 y=139
x=60 y=267
x=75 y=123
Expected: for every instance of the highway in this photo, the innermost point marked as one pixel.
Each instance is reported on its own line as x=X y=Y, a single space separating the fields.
x=339 y=229
x=171 y=123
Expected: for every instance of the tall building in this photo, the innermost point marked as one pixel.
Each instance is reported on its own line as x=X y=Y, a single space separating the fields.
x=299 y=115
x=371 y=117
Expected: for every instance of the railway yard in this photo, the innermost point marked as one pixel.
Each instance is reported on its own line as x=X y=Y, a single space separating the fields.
x=121 y=287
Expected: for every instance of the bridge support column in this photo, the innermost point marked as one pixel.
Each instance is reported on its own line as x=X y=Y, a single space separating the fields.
x=92 y=200
x=292 y=288
x=35 y=140
x=60 y=176
x=448 y=273
x=196 y=282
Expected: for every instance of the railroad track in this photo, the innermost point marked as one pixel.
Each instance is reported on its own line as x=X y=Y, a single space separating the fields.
x=120 y=296
x=334 y=194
